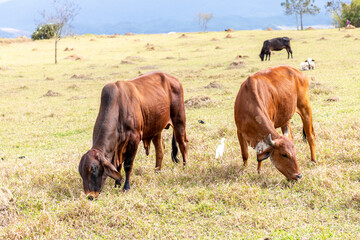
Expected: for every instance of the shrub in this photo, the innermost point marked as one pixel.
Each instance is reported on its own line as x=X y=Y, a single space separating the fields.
x=45 y=31
x=352 y=12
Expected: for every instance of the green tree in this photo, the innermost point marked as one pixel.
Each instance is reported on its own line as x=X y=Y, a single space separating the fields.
x=351 y=12
x=299 y=8
x=334 y=7
x=44 y=31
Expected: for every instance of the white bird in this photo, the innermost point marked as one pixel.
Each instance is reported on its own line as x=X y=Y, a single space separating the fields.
x=220 y=149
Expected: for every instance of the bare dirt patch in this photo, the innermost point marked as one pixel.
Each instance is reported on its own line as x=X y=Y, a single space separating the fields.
x=51 y=93
x=126 y=62
x=322 y=39
x=135 y=58
x=147 y=67
x=150 y=47
x=75 y=57
x=317 y=88
x=229 y=36
x=333 y=99
x=183 y=36
x=198 y=102
x=348 y=36
x=168 y=58
x=73 y=86
x=92 y=40
x=241 y=57
x=113 y=36
x=218 y=47
x=237 y=64
x=214 y=39
x=214 y=84
x=81 y=76
x=49 y=79
x=68 y=49
x=34 y=49
x=74 y=98
x=129 y=34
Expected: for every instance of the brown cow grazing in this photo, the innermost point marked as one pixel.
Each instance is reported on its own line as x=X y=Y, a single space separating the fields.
x=131 y=111
x=267 y=100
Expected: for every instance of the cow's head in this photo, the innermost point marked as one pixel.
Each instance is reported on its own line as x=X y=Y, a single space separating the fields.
x=94 y=169
x=282 y=153
x=262 y=54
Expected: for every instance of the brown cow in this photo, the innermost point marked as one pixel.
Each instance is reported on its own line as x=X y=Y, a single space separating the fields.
x=131 y=111
x=267 y=100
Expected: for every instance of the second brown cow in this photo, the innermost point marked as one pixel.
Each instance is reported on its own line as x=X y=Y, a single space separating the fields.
x=267 y=100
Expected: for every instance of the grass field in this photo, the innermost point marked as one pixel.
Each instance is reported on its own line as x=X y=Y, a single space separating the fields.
x=44 y=133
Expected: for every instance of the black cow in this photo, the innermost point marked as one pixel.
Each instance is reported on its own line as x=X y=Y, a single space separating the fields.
x=275 y=44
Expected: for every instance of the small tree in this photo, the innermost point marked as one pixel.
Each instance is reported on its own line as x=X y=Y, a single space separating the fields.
x=299 y=8
x=64 y=13
x=203 y=19
x=334 y=8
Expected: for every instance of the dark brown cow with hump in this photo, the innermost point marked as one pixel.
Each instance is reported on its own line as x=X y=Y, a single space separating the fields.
x=267 y=100
x=131 y=111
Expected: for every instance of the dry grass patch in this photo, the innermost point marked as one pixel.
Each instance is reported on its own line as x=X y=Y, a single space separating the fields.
x=135 y=58
x=214 y=85
x=81 y=76
x=199 y=102
x=237 y=64
x=51 y=93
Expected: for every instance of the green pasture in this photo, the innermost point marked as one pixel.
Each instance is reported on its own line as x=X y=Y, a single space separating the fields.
x=47 y=113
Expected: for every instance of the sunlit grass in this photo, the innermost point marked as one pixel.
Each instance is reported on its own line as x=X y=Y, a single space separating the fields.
x=208 y=199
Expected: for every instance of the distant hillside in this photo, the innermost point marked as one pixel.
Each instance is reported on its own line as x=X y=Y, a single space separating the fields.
x=155 y=16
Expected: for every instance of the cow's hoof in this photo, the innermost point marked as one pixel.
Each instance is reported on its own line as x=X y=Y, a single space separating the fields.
x=117 y=184
x=157 y=170
x=126 y=187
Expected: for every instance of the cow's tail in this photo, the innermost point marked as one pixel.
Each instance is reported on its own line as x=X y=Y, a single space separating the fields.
x=175 y=150
x=304 y=135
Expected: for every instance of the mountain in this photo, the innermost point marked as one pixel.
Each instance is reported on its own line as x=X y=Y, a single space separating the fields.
x=20 y=17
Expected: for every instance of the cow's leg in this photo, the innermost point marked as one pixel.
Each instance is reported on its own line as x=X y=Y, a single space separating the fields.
x=305 y=113
x=159 y=149
x=290 y=52
x=180 y=135
x=259 y=167
x=244 y=148
x=287 y=128
x=118 y=182
x=178 y=120
x=129 y=156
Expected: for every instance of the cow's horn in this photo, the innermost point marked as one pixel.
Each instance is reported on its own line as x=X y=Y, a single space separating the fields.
x=270 y=141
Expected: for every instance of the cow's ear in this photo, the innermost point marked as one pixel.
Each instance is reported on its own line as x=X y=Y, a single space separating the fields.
x=313 y=60
x=265 y=154
x=110 y=170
